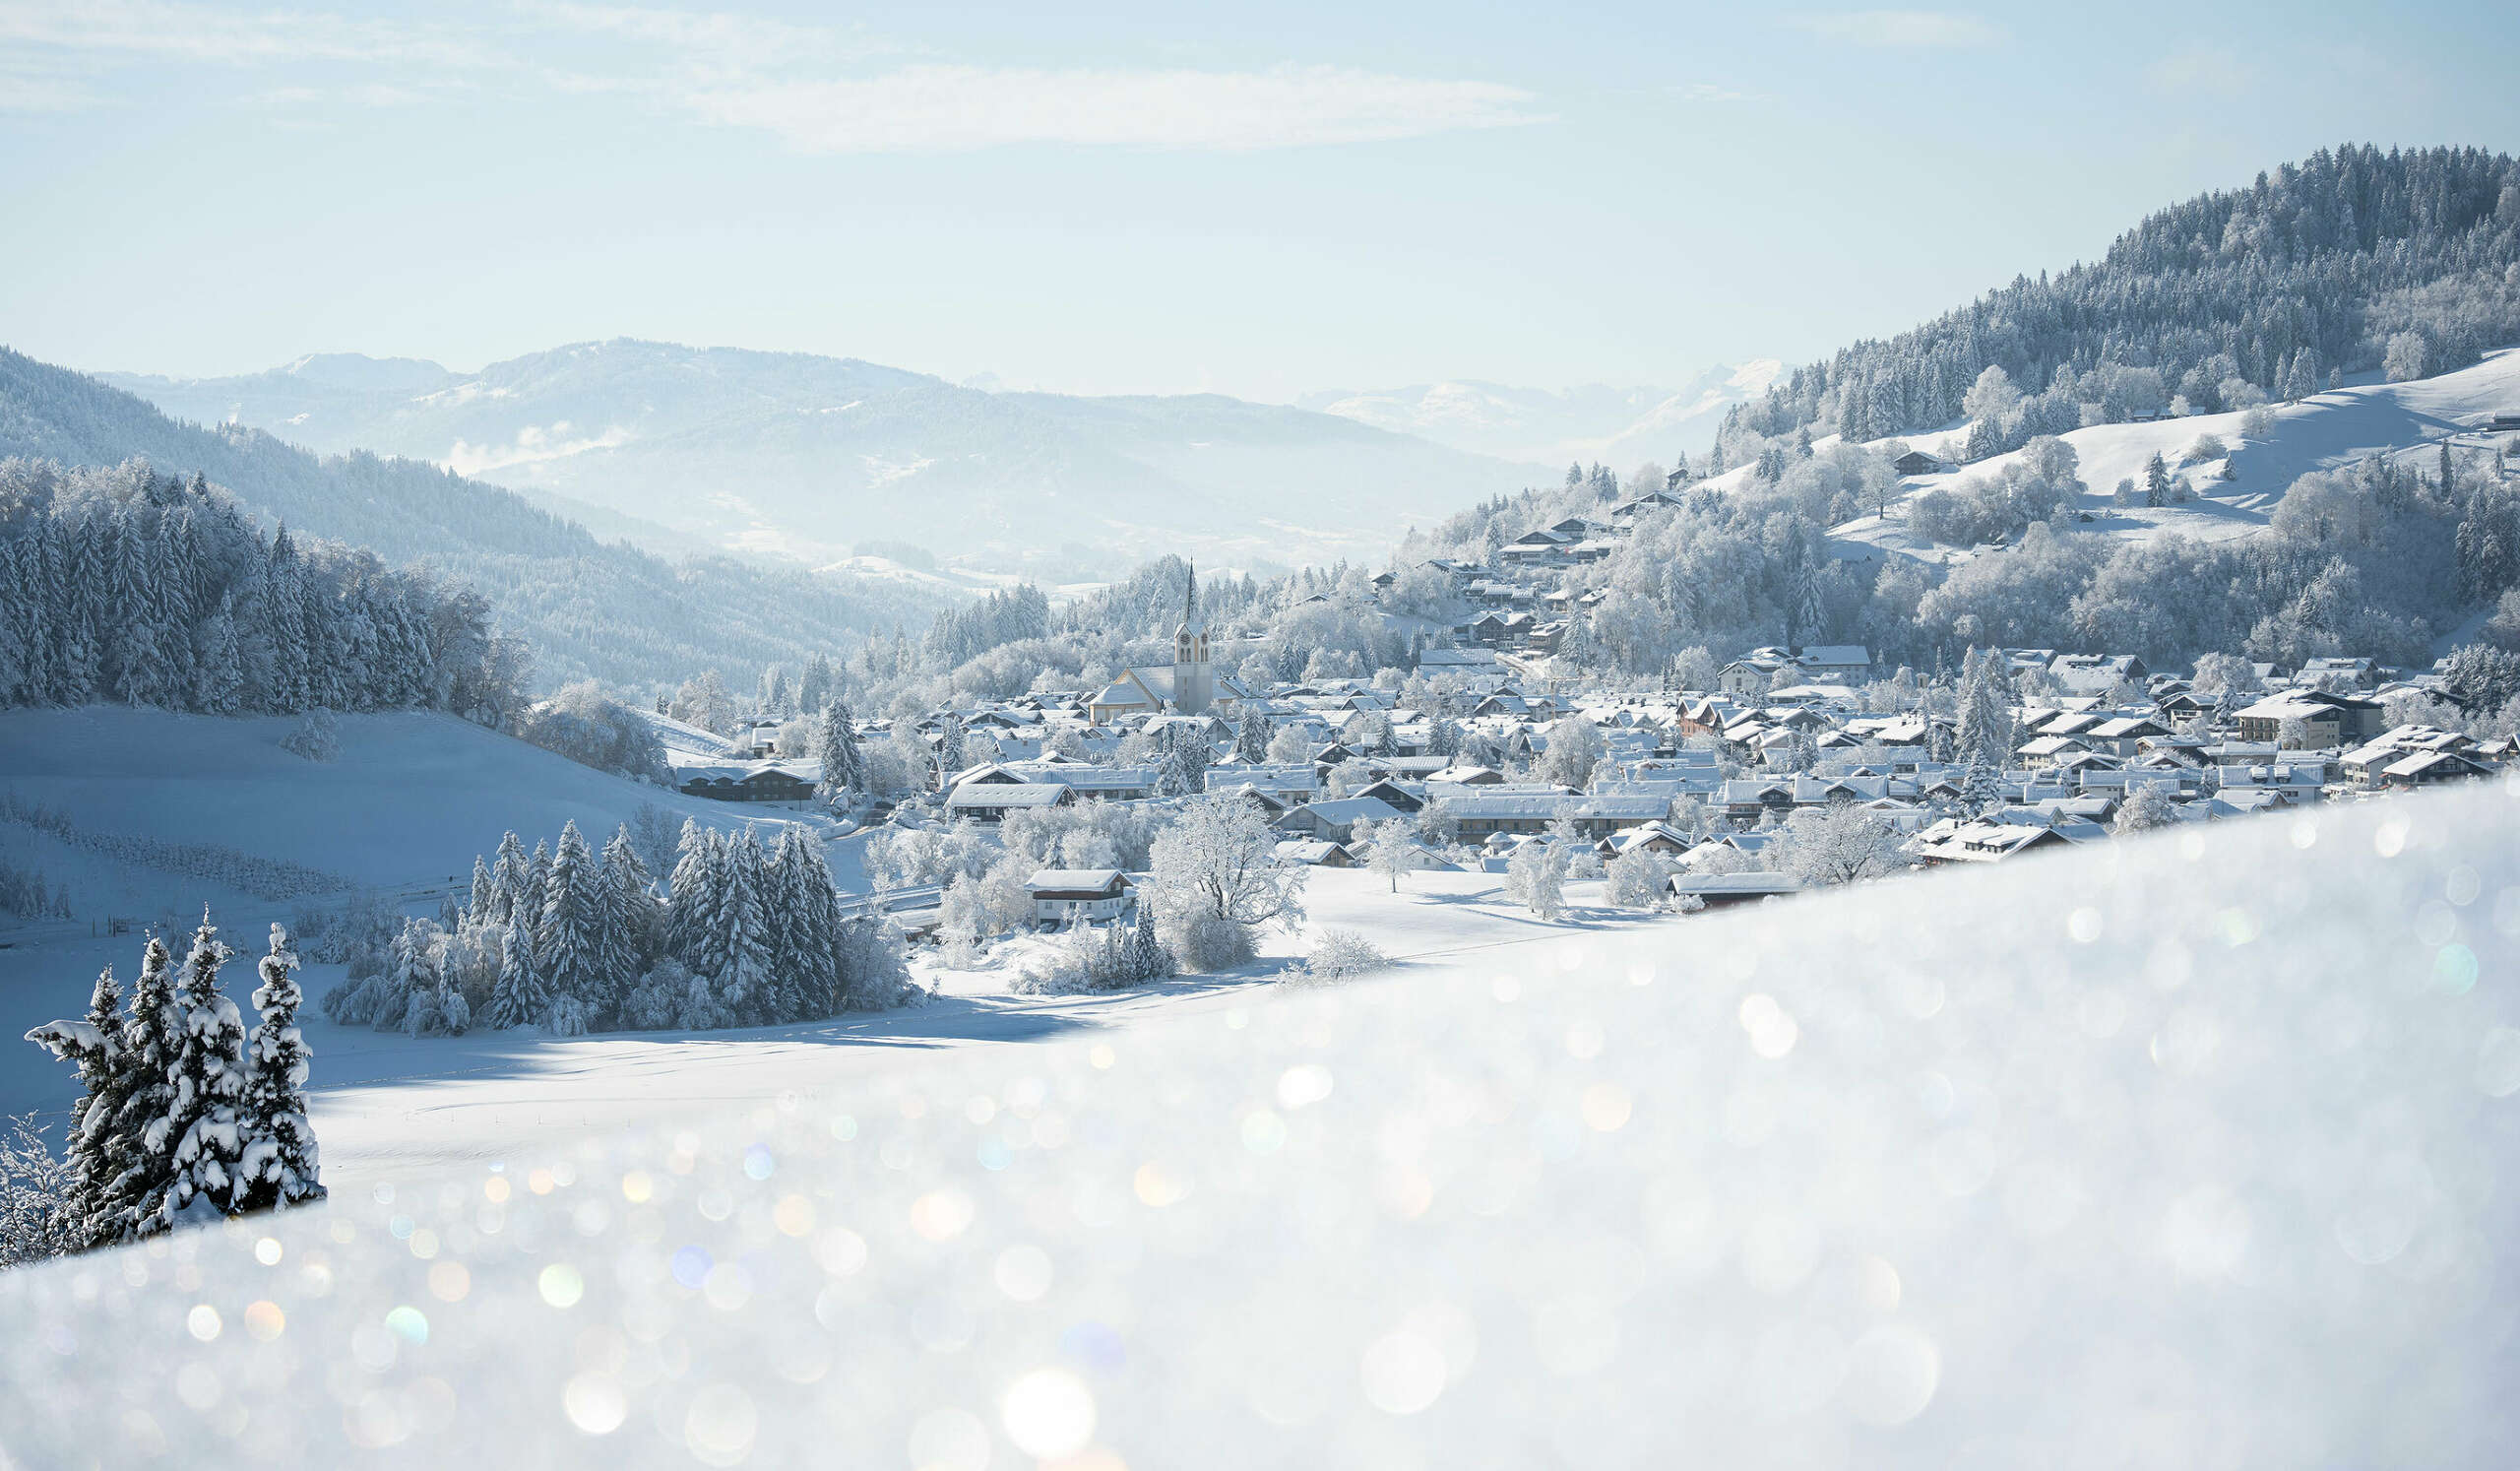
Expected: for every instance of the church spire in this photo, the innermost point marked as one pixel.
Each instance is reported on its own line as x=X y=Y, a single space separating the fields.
x=1190 y=598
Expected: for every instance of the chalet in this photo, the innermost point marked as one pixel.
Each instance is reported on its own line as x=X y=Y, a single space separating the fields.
x=1484 y=814
x=2427 y=768
x=1955 y=840
x=1726 y=890
x=1335 y=821
x=1315 y=852
x=769 y=781
x=1060 y=895
x=2359 y=674
x=2324 y=721
x=1918 y=461
x=2096 y=674
x=990 y=802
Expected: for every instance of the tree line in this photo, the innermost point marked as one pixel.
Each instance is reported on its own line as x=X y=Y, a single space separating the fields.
x=126 y=586
x=572 y=941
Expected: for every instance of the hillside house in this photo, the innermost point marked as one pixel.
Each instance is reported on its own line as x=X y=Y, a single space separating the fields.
x=1060 y=895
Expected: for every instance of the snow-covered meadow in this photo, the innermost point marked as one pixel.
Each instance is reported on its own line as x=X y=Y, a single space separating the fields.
x=2195 y=1149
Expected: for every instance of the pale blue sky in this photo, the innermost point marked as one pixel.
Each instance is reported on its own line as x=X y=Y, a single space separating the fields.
x=1127 y=197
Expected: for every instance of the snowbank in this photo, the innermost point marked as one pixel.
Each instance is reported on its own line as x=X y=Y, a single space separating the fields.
x=2199 y=1149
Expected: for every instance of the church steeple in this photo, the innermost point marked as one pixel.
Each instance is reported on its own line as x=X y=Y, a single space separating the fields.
x=1192 y=684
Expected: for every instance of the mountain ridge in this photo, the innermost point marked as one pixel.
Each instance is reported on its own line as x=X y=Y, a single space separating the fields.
x=809 y=455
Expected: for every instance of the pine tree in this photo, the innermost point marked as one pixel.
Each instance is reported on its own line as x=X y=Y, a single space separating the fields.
x=569 y=941
x=219 y=662
x=630 y=913
x=518 y=1000
x=742 y=941
x=1251 y=738
x=277 y=1168
x=2156 y=481
x=483 y=903
x=691 y=904
x=202 y=1122
x=844 y=763
x=1148 y=959
x=97 y=1151
x=509 y=872
x=153 y=1040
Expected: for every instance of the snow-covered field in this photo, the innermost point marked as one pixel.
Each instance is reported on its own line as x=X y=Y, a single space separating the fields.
x=2201 y=1149
x=404 y=810
x=2324 y=431
x=405 y=806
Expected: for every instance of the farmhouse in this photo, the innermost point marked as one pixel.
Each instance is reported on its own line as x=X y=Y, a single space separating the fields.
x=1063 y=894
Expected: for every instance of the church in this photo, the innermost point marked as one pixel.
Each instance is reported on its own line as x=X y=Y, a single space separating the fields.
x=1190 y=687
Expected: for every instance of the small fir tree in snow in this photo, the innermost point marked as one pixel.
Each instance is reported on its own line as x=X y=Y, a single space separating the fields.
x=570 y=941
x=509 y=872
x=518 y=1000
x=277 y=1168
x=1251 y=738
x=97 y=1152
x=691 y=908
x=844 y=761
x=203 y=1125
x=153 y=1040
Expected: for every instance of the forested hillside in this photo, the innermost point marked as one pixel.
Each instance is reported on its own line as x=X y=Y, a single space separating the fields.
x=2350 y=261
x=589 y=609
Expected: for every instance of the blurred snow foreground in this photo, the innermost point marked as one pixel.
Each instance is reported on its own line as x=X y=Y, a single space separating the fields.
x=2197 y=1150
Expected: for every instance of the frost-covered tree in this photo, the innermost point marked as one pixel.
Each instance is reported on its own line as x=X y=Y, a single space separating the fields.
x=1215 y=879
x=1536 y=878
x=1838 y=844
x=97 y=1152
x=630 y=939
x=569 y=939
x=202 y=1129
x=153 y=1039
x=1181 y=768
x=278 y=1167
x=1392 y=850
x=1574 y=748
x=1252 y=737
x=1636 y=879
x=518 y=999
x=2146 y=807
x=843 y=773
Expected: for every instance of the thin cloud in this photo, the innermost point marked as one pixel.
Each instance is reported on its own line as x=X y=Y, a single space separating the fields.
x=1708 y=91
x=957 y=108
x=179 y=32
x=790 y=81
x=1903 y=29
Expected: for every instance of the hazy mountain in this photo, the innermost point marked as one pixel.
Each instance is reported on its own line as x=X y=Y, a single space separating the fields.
x=809 y=456
x=1618 y=426
x=589 y=608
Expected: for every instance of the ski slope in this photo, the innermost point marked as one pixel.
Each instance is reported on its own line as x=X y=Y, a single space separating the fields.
x=2200 y=1149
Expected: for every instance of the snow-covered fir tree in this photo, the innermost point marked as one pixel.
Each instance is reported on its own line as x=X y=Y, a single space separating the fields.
x=202 y=1125
x=278 y=1167
x=98 y=1152
x=518 y=999
x=569 y=939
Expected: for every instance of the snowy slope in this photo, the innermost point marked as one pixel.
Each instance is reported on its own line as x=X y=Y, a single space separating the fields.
x=2322 y=433
x=2200 y=1149
x=411 y=801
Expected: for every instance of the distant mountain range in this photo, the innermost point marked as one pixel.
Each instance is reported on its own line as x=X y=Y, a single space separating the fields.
x=590 y=608
x=811 y=456
x=1617 y=426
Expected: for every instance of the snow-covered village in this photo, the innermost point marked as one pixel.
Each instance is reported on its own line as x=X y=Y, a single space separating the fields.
x=1950 y=896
